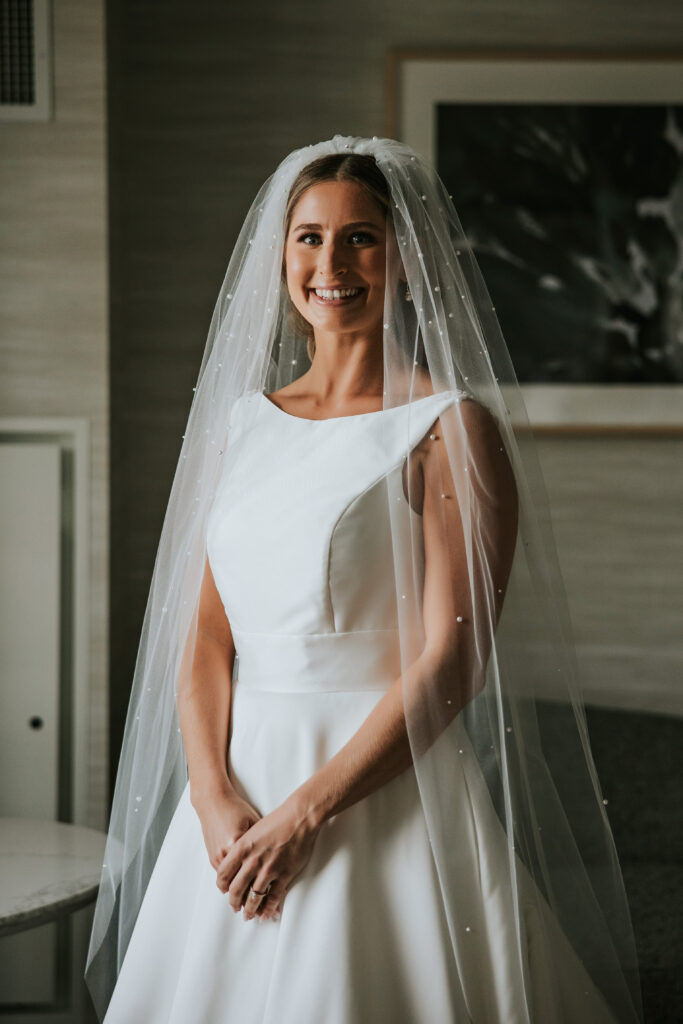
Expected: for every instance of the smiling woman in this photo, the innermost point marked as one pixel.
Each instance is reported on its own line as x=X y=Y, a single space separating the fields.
x=335 y=261
x=337 y=211
x=333 y=801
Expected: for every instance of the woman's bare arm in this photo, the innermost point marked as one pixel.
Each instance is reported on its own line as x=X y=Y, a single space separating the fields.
x=204 y=695
x=450 y=670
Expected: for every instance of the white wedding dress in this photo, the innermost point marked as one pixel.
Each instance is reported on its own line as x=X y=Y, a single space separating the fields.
x=299 y=545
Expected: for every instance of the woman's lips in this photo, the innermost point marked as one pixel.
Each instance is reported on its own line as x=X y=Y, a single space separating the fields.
x=342 y=300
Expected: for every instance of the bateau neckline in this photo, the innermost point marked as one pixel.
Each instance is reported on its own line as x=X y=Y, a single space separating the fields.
x=357 y=415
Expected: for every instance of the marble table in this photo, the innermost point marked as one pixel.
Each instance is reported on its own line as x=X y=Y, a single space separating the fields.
x=47 y=868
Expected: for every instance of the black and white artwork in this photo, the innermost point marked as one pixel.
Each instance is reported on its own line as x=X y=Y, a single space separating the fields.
x=575 y=213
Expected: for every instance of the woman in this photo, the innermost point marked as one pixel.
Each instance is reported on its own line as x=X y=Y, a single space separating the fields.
x=369 y=791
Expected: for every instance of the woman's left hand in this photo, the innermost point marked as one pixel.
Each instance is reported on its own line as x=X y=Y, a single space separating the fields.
x=274 y=850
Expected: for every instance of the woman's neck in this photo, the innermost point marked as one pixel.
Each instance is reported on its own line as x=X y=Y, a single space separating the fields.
x=345 y=368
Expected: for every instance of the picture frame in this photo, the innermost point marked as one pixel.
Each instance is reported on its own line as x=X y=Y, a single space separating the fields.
x=436 y=98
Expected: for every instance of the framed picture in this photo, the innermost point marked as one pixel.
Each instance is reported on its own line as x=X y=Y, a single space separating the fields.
x=567 y=174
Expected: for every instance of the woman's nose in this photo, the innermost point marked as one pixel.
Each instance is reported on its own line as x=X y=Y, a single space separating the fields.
x=331 y=261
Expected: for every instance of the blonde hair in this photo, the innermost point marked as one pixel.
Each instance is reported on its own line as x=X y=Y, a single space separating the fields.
x=356 y=167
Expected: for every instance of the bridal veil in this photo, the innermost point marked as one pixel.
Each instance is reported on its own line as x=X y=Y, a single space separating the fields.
x=507 y=697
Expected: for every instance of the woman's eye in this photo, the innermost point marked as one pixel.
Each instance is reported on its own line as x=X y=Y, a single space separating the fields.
x=311 y=238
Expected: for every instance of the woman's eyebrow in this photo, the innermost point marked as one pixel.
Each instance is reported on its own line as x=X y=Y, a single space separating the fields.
x=353 y=224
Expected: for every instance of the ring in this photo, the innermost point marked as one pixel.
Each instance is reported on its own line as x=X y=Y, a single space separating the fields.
x=255 y=892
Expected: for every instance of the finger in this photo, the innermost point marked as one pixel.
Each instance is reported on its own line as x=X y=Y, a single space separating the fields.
x=271 y=907
x=238 y=888
x=231 y=863
x=222 y=853
x=255 y=898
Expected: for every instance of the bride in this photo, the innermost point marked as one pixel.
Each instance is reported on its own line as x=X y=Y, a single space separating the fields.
x=338 y=798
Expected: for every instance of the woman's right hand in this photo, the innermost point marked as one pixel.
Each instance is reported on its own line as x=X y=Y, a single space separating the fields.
x=224 y=816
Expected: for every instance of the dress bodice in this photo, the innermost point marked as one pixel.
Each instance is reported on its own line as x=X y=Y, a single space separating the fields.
x=299 y=535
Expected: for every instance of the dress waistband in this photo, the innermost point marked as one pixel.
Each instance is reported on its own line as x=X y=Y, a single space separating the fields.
x=363 y=660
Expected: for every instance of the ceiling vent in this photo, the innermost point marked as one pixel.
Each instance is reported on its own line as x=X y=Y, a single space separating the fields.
x=25 y=60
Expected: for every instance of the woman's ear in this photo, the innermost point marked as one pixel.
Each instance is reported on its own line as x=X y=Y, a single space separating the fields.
x=395 y=267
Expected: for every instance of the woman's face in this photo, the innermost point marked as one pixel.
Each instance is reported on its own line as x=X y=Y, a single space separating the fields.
x=335 y=258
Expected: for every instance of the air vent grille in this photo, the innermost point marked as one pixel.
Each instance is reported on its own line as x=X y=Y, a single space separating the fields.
x=17 y=65
x=24 y=60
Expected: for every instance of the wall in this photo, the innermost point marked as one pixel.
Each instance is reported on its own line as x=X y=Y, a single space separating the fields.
x=53 y=306
x=204 y=102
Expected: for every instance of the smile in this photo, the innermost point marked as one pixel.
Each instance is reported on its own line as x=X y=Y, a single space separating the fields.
x=335 y=295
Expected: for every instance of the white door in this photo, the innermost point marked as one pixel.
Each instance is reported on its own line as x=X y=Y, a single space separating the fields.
x=30 y=514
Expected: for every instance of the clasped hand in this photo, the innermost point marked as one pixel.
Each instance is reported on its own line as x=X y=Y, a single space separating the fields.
x=251 y=852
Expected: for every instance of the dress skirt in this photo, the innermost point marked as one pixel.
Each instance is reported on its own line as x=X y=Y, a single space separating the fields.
x=363 y=936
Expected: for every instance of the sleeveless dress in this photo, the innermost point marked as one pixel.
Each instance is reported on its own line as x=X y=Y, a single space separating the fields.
x=299 y=544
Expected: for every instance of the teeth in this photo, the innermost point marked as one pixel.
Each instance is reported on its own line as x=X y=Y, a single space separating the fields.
x=336 y=293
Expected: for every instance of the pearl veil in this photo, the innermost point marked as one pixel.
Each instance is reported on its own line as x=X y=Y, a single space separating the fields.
x=472 y=550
